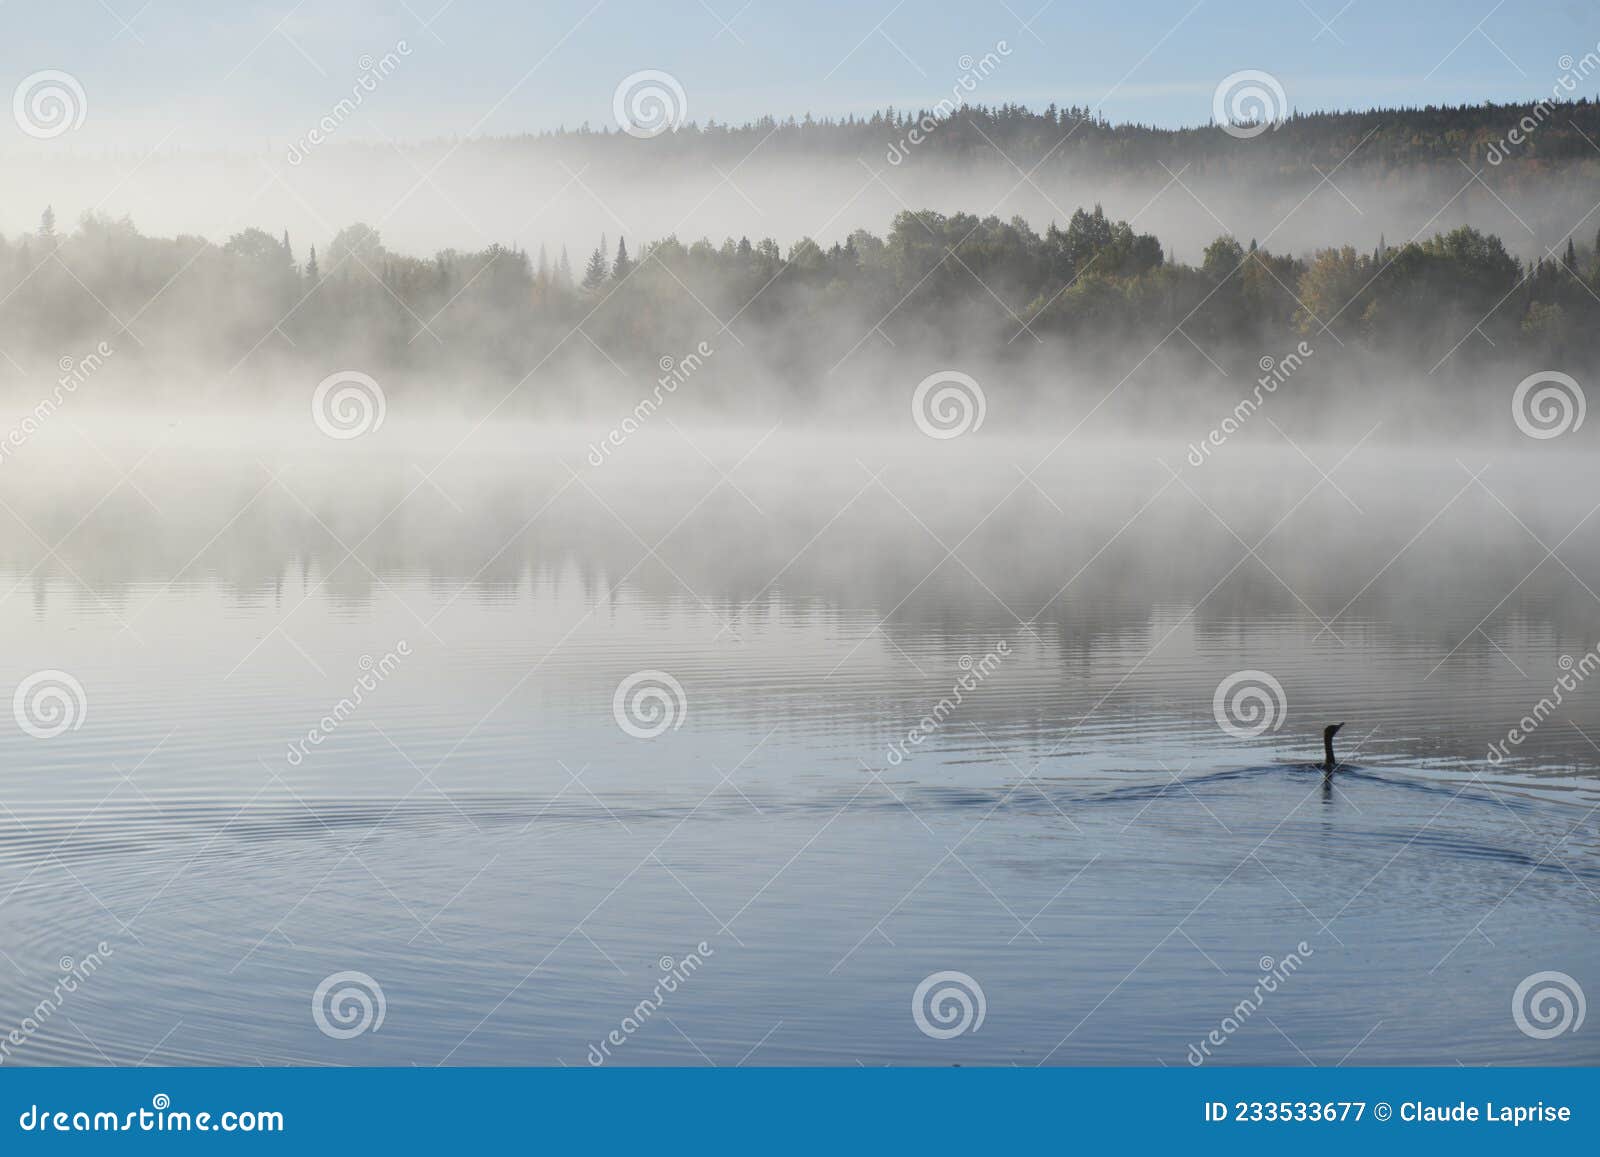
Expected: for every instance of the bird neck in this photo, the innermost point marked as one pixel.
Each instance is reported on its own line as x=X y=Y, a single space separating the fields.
x=1327 y=751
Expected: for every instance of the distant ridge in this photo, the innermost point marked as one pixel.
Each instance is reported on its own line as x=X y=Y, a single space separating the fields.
x=1565 y=130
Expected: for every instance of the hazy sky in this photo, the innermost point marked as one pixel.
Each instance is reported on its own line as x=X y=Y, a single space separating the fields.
x=189 y=73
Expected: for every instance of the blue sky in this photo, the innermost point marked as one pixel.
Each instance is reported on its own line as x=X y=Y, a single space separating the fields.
x=197 y=73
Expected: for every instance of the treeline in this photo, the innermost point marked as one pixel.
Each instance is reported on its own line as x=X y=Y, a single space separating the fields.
x=1388 y=138
x=956 y=284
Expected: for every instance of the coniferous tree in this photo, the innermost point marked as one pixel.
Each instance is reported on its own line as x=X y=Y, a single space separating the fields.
x=594 y=274
x=623 y=265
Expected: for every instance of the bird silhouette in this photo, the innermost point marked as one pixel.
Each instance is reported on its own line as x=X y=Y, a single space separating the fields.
x=1328 y=761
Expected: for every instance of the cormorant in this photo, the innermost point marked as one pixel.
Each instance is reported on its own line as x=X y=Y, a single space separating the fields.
x=1328 y=762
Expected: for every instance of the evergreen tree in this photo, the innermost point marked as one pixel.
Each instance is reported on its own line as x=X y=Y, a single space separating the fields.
x=1572 y=256
x=47 y=222
x=313 y=274
x=594 y=274
x=288 y=250
x=623 y=265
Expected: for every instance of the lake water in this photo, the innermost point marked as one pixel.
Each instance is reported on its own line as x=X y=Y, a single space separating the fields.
x=503 y=851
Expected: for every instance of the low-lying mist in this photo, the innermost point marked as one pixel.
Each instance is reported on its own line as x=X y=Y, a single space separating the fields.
x=1023 y=526
x=1345 y=276
x=1314 y=181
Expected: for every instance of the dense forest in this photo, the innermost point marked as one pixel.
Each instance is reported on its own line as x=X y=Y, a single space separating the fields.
x=1388 y=138
x=954 y=283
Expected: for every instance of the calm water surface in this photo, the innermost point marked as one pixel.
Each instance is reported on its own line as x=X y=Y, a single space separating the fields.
x=1078 y=835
